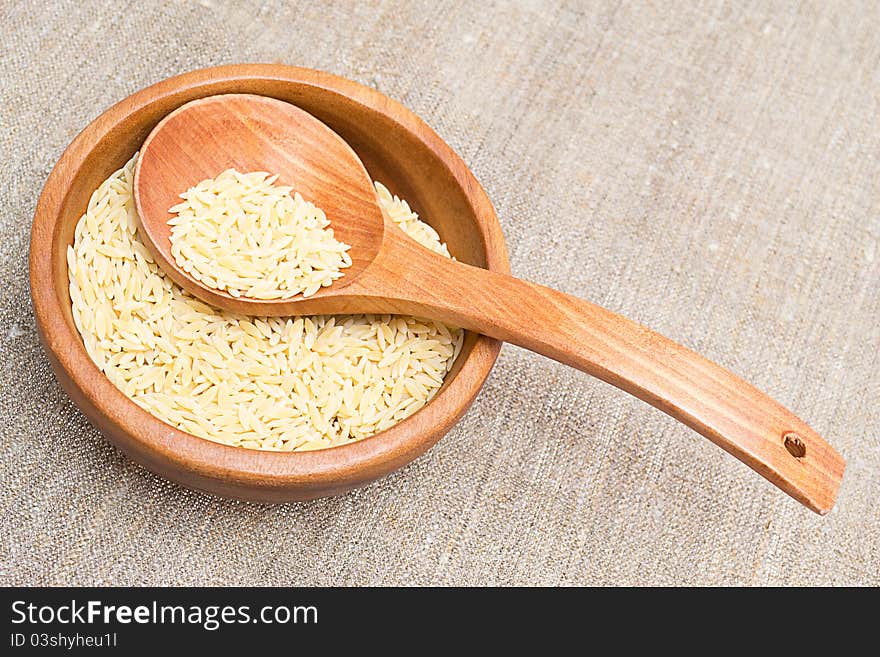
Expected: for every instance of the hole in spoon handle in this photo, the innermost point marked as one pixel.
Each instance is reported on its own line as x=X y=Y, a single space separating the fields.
x=795 y=444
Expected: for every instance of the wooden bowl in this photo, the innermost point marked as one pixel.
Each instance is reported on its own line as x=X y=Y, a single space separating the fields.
x=397 y=149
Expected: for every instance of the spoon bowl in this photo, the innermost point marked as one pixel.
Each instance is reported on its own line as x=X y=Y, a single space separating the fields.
x=248 y=133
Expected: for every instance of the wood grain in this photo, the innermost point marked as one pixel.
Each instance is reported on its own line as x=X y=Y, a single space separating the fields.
x=394 y=274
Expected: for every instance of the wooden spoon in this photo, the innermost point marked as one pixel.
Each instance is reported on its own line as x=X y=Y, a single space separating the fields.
x=391 y=273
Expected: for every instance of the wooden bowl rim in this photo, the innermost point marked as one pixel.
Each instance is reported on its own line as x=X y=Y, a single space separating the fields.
x=336 y=467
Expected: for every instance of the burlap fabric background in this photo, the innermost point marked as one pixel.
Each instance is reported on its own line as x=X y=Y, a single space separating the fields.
x=707 y=169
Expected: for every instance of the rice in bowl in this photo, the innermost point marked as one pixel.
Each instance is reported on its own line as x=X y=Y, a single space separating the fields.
x=257 y=382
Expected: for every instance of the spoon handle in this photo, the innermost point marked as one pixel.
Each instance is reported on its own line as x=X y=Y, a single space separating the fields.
x=692 y=389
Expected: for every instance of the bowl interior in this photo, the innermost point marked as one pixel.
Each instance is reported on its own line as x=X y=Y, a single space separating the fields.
x=404 y=160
